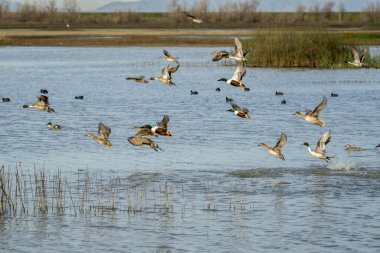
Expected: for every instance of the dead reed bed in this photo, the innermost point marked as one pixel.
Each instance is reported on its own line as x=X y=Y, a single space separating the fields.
x=90 y=194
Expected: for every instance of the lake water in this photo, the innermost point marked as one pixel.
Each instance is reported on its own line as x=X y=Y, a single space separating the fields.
x=212 y=189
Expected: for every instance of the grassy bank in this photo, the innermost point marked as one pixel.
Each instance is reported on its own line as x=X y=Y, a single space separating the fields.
x=303 y=49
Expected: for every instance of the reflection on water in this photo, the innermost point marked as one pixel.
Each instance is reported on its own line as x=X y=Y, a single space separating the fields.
x=213 y=188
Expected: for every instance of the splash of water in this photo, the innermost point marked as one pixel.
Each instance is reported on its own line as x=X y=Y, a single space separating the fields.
x=346 y=164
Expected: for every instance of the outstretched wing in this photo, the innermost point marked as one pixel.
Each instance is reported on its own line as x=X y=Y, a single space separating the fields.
x=355 y=54
x=363 y=54
x=164 y=122
x=239 y=72
x=173 y=69
x=189 y=15
x=167 y=54
x=319 y=108
x=236 y=107
x=247 y=51
x=322 y=142
x=104 y=131
x=238 y=47
x=281 y=141
x=144 y=132
x=165 y=73
x=43 y=100
x=220 y=55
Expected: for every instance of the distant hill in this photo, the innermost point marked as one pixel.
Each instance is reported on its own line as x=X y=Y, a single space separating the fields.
x=265 y=5
x=13 y=6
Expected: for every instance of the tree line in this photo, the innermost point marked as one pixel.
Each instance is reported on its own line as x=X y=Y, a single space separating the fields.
x=242 y=14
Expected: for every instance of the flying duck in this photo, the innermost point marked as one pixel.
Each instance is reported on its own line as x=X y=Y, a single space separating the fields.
x=167 y=56
x=160 y=129
x=358 y=57
x=276 y=149
x=192 y=18
x=320 y=149
x=138 y=79
x=313 y=116
x=243 y=113
x=165 y=77
x=103 y=135
x=140 y=139
x=41 y=104
x=237 y=76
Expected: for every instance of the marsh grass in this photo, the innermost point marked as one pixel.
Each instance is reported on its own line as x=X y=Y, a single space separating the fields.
x=91 y=194
x=315 y=49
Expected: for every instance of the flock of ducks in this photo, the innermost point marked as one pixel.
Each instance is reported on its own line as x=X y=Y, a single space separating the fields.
x=141 y=138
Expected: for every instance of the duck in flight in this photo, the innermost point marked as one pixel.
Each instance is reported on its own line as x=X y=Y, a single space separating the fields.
x=160 y=129
x=165 y=77
x=358 y=57
x=313 y=116
x=103 y=135
x=192 y=18
x=41 y=104
x=137 y=79
x=242 y=113
x=236 y=79
x=276 y=149
x=140 y=139
x=320 y=149
x=167 y=56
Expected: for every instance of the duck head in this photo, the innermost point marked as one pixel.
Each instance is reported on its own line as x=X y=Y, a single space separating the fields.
x=298 y=114
x=223 y=79
x=306 y=144
x=90 y=135
x=168 y=133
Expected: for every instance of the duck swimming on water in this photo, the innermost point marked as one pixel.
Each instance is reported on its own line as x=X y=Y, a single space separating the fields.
x=53 y=127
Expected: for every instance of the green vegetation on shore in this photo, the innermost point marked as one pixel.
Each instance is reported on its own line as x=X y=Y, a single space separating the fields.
x=302 y=49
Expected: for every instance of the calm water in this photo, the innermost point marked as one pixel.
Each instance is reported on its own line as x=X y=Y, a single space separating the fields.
x=225 y=193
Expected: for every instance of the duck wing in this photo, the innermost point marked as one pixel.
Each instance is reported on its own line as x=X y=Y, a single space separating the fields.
x=104 y=131
x=355 y=54
x=165 y=73
x=173 y=69
x=220 y=55
x=236 y=107
x=238 y=47
x=189 y=15
x=281 y=141
x=361 y=58
x=167 y=54
x=239 y=72
x=322 y=142
x=247 y=51
x=319 y=108
x=144 y=132
x=42 y=100
x=164 y=122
